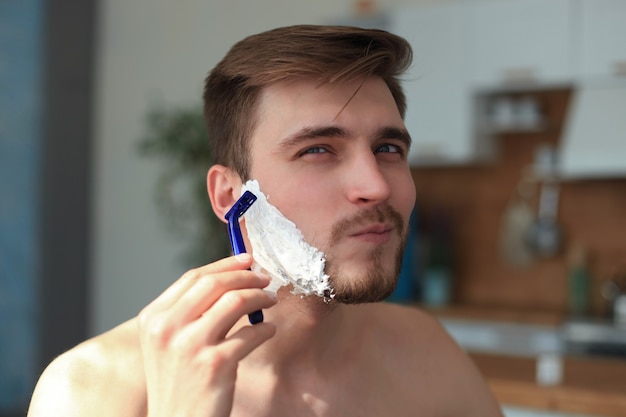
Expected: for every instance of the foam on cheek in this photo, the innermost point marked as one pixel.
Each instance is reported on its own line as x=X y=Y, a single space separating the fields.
x=279 y=248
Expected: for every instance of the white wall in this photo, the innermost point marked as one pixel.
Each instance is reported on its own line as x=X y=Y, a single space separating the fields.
x=158 y=50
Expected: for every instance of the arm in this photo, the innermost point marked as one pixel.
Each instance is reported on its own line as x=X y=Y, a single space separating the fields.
x=93 y=379
x=60 y=389
x=178 y=357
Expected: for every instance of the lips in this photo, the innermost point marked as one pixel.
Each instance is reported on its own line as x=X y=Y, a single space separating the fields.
x=375 y=228
x=376 y=233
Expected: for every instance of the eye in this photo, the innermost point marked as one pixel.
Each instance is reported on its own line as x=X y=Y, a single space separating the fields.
x=314 y=149
x=389 y=148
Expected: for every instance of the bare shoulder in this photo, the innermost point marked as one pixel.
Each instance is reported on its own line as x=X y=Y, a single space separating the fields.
x=425 y=356
x=106 y=369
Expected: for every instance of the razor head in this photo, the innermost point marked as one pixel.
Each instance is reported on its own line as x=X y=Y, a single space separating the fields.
x=236 y=211
x=241 y=206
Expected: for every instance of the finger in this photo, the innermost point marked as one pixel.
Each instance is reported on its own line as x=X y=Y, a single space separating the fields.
x=229 y=309
x=241 y=343
x=178 y=288
x=213 y=326
x=208 y=289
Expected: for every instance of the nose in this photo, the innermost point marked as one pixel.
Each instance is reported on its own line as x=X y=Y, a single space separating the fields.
x=367 y=185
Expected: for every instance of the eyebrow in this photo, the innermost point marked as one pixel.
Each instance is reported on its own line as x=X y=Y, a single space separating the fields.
x=390 y=132
x=313 y=132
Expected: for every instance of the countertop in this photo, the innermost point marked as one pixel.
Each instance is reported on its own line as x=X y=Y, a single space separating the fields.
x=506 y=315
x=590 y=385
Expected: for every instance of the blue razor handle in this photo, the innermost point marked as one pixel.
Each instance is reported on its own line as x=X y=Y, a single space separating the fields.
x=236 y=239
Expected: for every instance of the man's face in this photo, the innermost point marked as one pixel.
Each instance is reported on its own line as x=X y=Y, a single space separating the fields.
x=333 y=160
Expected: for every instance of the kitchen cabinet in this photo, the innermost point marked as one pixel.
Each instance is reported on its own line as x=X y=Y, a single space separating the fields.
x=464 y=51
x=461 y=47
x=439 y=101
x=602 y=30
x=517 y=41
x=593 y=144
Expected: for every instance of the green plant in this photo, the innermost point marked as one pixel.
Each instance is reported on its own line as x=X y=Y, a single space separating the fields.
x=178 y=138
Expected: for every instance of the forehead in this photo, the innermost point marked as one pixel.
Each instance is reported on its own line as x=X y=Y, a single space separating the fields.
x=360 y=105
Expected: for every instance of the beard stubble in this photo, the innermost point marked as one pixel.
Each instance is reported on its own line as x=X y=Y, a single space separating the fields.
x=378 y=282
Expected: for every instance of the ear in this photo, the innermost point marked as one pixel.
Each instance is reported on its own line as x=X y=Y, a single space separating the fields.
x=224 y=187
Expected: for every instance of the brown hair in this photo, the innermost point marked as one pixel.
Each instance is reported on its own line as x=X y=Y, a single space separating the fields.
x=328 y=53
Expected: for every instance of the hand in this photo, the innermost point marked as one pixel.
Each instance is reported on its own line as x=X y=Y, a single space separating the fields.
x=190 y=359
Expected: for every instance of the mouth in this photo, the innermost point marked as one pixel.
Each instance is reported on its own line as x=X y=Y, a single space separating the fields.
x=375 y=233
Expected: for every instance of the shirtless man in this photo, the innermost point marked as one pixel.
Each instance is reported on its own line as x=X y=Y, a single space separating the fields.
x=315 y=115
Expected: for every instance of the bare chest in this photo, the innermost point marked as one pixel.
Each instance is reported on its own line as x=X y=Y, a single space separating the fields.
x=357 y=396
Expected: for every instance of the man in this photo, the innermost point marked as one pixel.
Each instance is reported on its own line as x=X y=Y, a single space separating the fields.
x=315 y=115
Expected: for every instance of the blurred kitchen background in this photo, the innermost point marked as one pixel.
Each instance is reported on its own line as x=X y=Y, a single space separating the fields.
x=517 y=112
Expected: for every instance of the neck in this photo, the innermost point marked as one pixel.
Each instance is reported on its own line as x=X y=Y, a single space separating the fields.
x=307 y=333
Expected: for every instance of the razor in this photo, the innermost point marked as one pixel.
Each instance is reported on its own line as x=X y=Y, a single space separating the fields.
x=236 y=239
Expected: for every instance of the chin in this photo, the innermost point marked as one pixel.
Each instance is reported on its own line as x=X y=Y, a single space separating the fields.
x=368 y=280
x=365 y=295
x=373 y=285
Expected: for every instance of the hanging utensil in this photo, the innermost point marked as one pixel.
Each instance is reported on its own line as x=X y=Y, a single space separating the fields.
x=518 y=217
x=545 y=236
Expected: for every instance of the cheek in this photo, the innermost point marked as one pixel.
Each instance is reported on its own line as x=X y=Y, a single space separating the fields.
x=302 y=200
x=310 y=207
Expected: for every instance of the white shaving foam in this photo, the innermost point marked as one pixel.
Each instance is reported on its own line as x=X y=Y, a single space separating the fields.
x=279 y=248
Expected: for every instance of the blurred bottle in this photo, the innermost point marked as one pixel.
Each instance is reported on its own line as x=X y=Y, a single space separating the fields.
x=437 y=274
x=578 y=280
x=406 y=291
